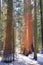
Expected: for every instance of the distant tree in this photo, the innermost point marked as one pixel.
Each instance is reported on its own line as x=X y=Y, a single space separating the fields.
x=18 y=10
x=1 y=29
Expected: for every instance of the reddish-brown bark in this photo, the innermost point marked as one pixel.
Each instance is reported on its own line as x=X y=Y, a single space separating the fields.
x=8 y=48
x=27 y=36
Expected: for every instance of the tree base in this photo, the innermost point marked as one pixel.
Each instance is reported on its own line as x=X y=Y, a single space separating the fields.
x=26 y=53
x=7 y=61
x=35 y=58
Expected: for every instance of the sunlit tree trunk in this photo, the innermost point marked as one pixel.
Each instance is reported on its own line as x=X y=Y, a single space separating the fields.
x=27 y=23
x=41 y=12
x=8 y=48
x=35 y=32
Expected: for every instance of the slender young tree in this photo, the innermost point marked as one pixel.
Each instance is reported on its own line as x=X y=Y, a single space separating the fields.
x=41 y=12
x=35 y=31
x=0 y=9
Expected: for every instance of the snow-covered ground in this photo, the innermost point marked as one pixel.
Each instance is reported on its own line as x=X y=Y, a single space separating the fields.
x=21 y=60
x=39 y=57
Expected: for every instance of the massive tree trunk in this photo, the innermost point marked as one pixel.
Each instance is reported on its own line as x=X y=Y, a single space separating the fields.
x=41 y=12
x=8 y=47
x=27 y=27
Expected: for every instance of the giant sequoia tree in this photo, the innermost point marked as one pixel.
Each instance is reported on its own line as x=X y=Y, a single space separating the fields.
x=27 y=25
x=8 y=47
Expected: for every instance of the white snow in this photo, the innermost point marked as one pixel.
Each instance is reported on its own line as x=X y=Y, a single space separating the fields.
x=21 y=60
x=0 y=58
x=39 y=57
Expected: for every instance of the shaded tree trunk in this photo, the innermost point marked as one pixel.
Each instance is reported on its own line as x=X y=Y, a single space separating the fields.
x=0 y=10
x=35 y=32
x=8 y=48
x=41 y=12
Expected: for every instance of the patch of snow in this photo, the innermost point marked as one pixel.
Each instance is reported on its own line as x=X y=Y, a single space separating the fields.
x=21 y=60
x=0 y=58
x=26 y=60
x=31 y=56
x=39 y=57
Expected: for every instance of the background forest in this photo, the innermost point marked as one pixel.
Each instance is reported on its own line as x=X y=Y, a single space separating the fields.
x=16 y=21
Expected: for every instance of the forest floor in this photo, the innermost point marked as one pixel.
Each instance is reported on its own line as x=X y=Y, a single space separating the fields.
x=25 y=60
x=39 y=57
